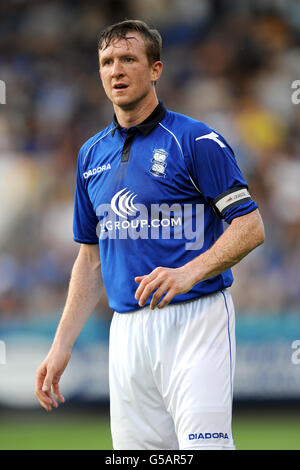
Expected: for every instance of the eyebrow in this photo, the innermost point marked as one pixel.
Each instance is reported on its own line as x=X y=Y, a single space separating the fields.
x=124 y=55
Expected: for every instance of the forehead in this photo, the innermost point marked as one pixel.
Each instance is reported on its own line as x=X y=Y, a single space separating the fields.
x=134 y=43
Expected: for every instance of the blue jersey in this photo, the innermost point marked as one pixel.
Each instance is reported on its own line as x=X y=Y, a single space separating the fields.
x=155 y=195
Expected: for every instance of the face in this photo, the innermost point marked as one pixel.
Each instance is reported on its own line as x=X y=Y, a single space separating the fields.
x=125 y=72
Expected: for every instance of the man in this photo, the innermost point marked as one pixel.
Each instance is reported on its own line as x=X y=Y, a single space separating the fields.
x=152 y=190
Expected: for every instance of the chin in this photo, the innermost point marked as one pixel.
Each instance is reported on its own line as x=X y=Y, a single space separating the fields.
x=120 y=101
x=128 y=103
x=125 y=104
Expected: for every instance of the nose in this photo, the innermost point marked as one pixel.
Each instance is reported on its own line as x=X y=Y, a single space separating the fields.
x=117 y=70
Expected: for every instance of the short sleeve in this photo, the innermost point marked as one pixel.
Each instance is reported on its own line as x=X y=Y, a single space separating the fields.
x=84 y=220
x=215 y=172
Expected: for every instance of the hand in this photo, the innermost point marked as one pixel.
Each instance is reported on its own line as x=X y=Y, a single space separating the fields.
x=168 y=281
x=48 y=376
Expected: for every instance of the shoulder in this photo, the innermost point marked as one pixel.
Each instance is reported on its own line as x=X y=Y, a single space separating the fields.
x=93 y=142
x=192 y=132
x=182 y=124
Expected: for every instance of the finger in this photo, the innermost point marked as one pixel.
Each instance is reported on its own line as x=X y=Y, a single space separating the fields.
x=149 y=277
x=54 y=402
x=140 y=280
x=49 y=399
x=147 y=291
x=46 y=388
x=44 y=400
x=42 y=397
x=56 y=391
x=46 y=406
x=167 y=298
x=144 y=280
x=157 y=295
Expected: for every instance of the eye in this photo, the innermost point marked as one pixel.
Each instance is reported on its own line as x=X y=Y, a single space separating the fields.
x=128 y=59
x=106 y=62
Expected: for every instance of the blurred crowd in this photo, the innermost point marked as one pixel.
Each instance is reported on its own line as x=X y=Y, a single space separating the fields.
x=229 y=64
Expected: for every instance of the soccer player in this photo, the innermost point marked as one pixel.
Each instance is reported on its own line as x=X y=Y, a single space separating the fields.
x=152 y=190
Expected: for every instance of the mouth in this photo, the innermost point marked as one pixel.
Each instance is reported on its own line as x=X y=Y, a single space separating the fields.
x=120 y=86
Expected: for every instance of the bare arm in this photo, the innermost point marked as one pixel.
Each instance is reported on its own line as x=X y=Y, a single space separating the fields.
x=83 y=295
x=243 y=235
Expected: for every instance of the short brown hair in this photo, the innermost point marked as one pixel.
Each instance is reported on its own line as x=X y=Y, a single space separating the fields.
x=152 y=38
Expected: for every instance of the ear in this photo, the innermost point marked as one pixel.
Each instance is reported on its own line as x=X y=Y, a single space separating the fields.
x=156 y=70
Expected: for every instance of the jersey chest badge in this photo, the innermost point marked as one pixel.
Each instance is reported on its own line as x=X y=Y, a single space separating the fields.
x=159 y=163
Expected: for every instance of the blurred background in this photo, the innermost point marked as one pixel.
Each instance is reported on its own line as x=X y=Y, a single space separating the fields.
x=231 y=64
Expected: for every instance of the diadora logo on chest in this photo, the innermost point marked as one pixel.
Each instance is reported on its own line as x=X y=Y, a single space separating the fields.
x=159 y=163
x=97 y=170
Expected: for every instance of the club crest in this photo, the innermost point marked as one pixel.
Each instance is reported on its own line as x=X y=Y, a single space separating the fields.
x=159 y=162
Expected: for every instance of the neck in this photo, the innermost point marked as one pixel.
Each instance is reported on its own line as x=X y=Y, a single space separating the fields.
x=132 y=116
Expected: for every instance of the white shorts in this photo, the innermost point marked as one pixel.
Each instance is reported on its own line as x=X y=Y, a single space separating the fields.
x=171 y=372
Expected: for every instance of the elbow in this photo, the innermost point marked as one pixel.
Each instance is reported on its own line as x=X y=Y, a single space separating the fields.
x=260 y=235
x=263 y=236
x=258 y=229
x=260 y=239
